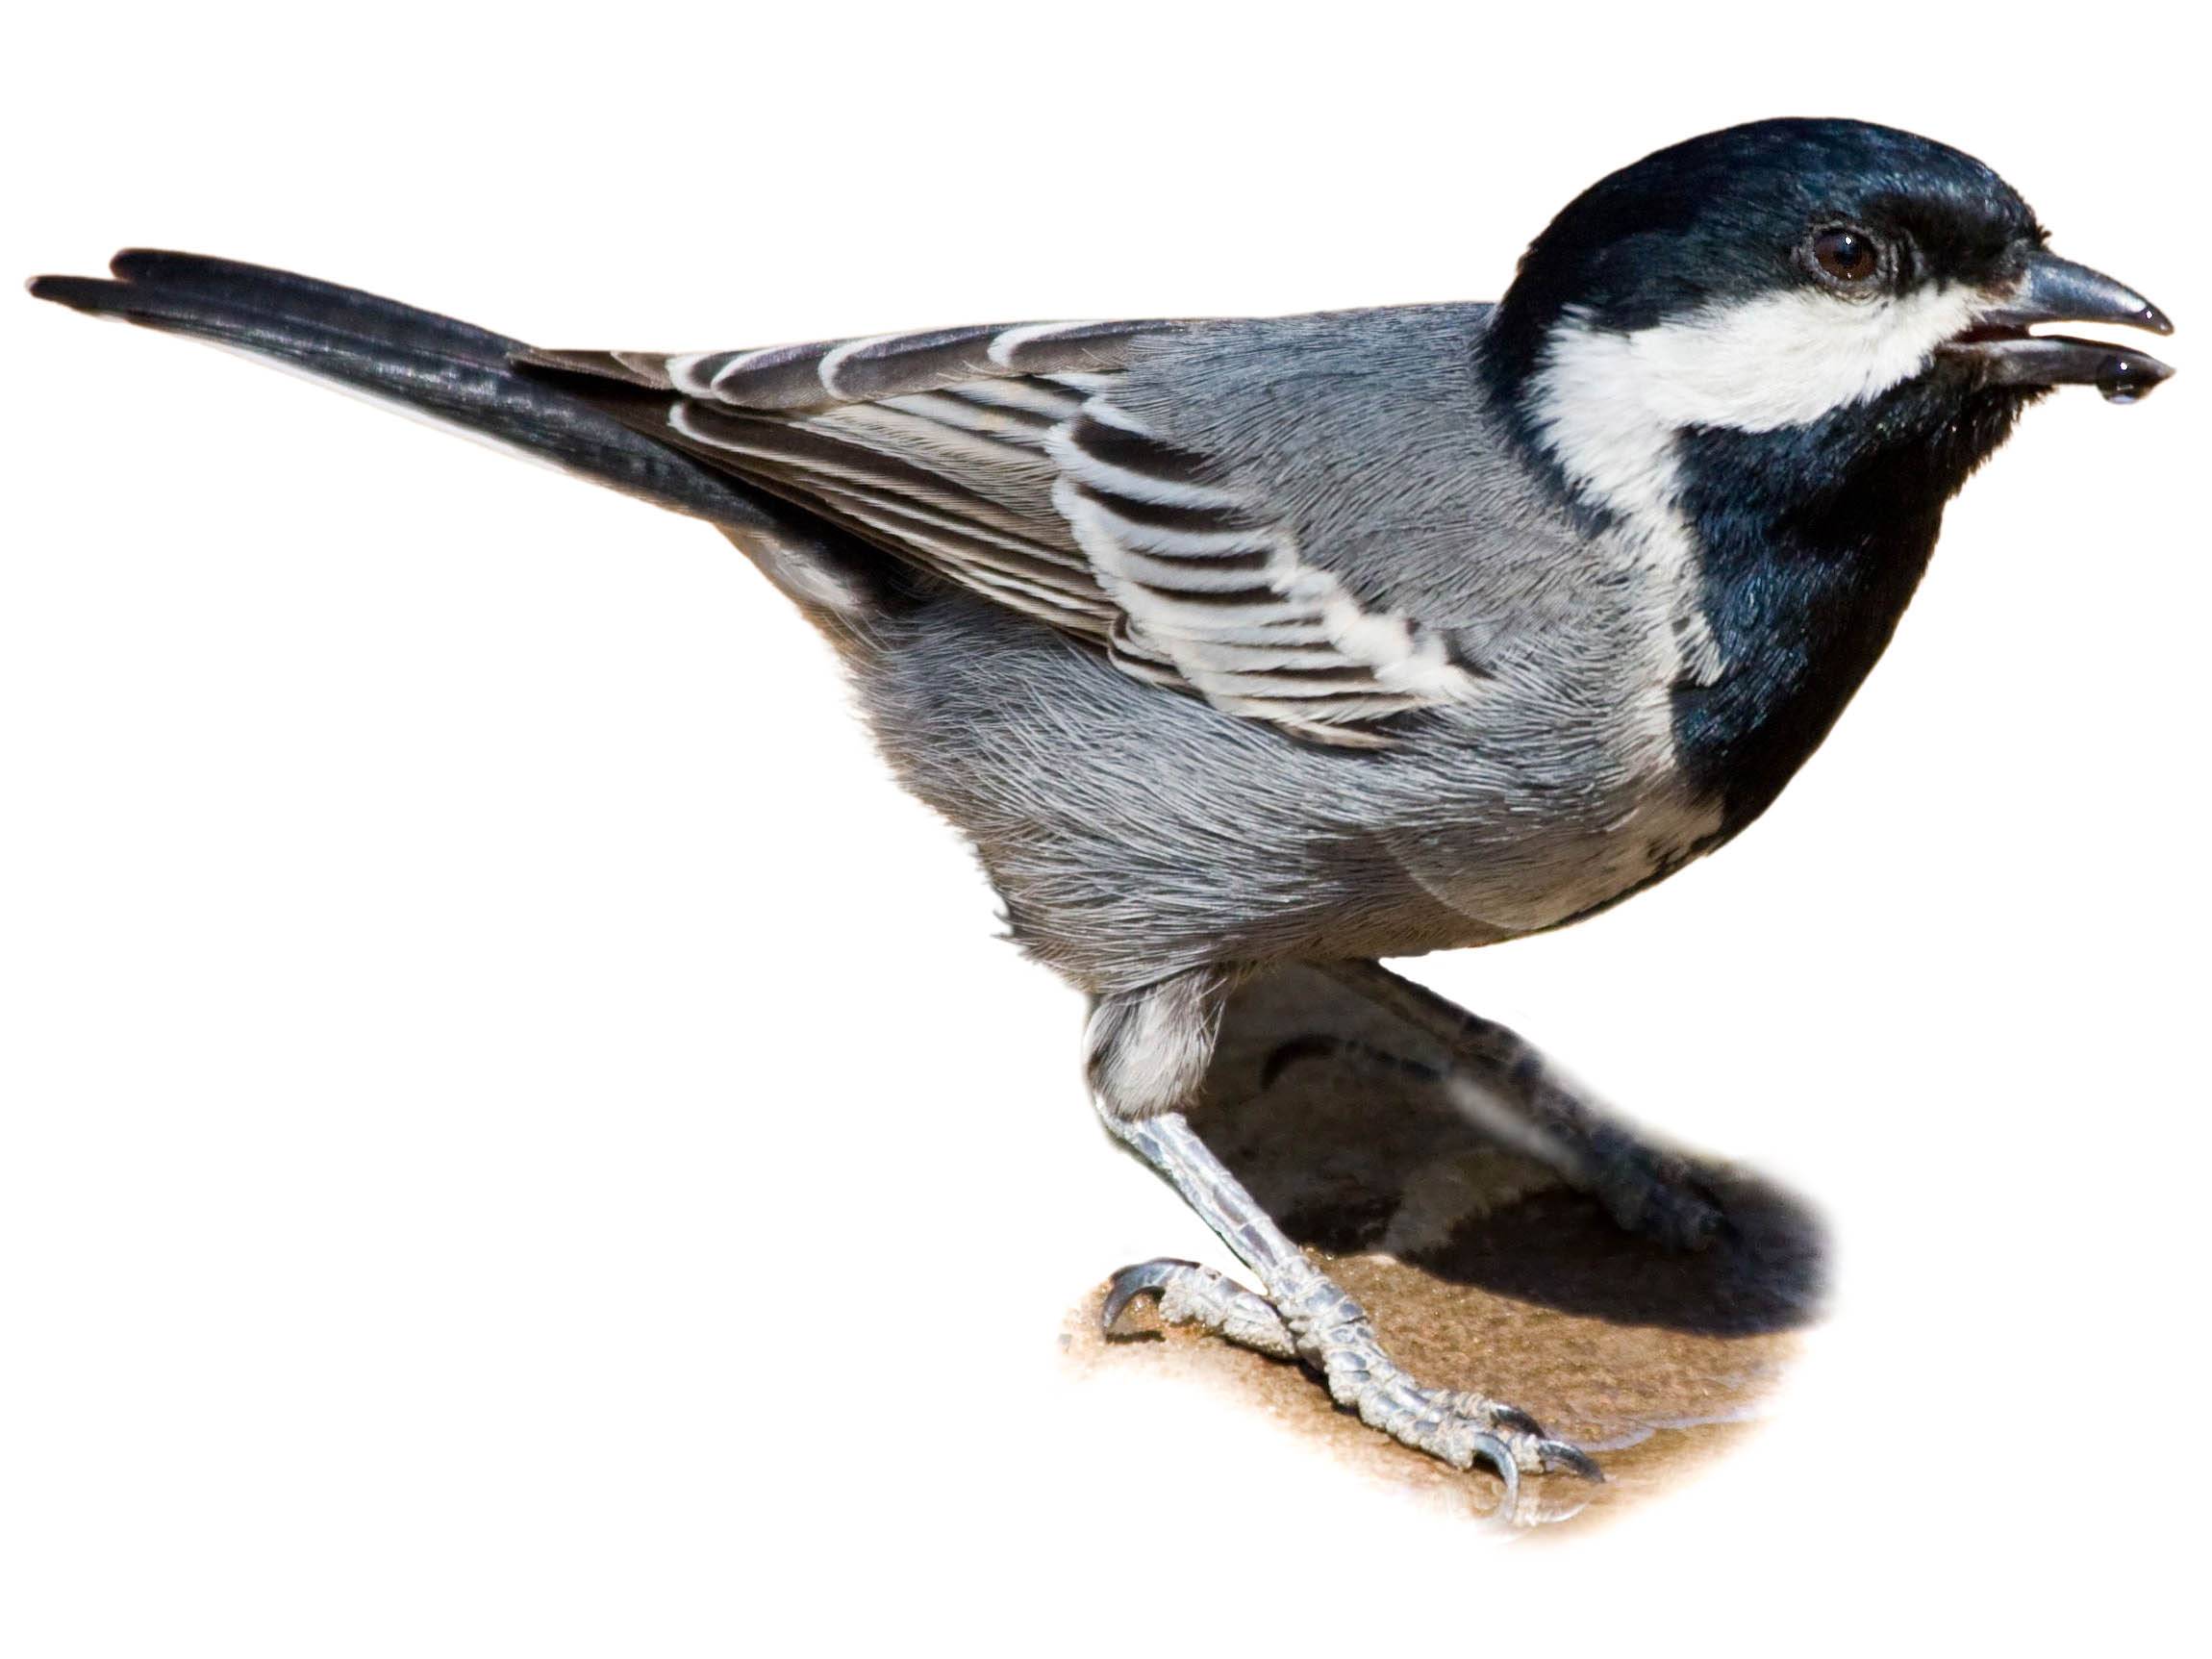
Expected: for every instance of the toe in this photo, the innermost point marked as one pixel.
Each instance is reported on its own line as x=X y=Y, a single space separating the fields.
x=1143 y=1278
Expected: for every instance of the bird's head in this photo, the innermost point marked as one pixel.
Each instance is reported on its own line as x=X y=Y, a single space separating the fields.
x=1793 y=274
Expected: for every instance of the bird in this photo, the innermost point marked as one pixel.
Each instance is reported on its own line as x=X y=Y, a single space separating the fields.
x=1237 y=643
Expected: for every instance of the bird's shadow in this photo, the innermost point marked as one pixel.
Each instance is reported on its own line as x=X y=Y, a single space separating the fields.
x=1329 y=1111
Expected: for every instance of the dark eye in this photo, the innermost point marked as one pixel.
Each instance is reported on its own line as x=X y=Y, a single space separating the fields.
x=1846 y=255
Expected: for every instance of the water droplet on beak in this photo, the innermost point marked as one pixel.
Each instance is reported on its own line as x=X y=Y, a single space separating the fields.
x=2126 y=380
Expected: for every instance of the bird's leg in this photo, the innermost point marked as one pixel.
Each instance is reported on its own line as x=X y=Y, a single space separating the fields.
x=1153 y=1045
x=1306 y=1315
x=1504 y=1082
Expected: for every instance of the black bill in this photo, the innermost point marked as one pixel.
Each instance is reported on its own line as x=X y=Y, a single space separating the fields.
x=2053 y=289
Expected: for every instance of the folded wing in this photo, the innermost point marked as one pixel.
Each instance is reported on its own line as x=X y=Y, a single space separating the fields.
x=997 y=457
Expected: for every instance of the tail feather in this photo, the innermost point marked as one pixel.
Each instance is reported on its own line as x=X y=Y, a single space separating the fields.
x=161 y=277
x=450 y=371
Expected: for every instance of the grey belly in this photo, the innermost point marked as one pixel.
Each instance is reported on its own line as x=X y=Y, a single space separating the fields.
x=1134 y=832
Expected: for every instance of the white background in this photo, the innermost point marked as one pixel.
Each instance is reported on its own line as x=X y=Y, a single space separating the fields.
x=519 y=1140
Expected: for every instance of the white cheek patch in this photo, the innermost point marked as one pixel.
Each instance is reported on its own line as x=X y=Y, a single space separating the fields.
x=1610 y=403
x=1780 y=361
x=1818 y=353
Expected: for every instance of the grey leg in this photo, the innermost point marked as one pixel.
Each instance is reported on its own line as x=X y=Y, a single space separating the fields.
x=1148 y=1053
x=1505 y=1083
x=1305 y=1314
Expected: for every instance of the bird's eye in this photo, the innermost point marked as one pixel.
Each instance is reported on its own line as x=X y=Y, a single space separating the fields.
x=1846 y=255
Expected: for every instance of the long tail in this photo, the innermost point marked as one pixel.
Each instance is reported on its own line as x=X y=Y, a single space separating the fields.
x=452 y=372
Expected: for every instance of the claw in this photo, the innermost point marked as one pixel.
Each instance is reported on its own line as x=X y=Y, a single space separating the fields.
x=1500 y=1456
x=1557 y=1455
x=1514 y=1418
x=1141 y=1279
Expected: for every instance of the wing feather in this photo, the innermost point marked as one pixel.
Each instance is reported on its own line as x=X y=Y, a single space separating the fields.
x=996 y=457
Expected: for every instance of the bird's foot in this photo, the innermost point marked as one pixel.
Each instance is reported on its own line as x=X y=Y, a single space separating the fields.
x=1312 y=1319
